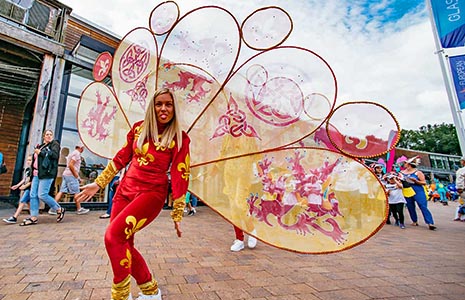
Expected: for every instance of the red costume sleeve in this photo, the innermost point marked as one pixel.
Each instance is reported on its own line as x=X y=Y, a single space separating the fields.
x=121 y=159
x=180 y=168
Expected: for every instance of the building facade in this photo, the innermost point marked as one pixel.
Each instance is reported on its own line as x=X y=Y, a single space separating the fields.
x=46 y=60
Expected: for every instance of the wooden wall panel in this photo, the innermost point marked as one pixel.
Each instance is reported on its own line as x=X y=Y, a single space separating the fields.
x=75 y=30
x=11 y=119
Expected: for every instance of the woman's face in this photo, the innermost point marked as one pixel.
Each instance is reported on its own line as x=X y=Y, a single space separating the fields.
x=164 y=108
x=48 y=136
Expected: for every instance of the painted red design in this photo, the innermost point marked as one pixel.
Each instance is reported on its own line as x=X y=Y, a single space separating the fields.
x=279 y=102
x=139 y=93
x=98 y=118
x=133 y=63
x=186 y=79
x=309 y=195
x=234 y=122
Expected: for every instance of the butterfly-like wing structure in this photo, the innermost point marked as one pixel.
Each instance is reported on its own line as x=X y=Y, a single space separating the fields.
x=270 y=152
x=301 y=199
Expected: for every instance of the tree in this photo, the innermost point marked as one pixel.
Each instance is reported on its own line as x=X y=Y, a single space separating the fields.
x=431 y=138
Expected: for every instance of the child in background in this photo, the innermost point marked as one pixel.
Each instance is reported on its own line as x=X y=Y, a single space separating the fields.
x=25 y=186
x=460 y=212
x=395 y=198
x=191 y=202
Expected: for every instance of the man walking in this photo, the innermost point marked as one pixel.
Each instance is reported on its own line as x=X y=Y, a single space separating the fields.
x=70 y=183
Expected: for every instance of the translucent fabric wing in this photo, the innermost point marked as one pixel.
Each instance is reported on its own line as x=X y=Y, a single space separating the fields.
x=266 y=102
x=134 y=72
x=307 y=200
x=101 y=121
x=363 y=129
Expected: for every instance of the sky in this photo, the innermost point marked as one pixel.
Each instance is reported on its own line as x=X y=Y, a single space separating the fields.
x=381 y=51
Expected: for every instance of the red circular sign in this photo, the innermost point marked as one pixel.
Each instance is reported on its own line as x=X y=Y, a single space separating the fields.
x=102 y=66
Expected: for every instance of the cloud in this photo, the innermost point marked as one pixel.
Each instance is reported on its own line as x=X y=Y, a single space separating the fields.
x=377 y=52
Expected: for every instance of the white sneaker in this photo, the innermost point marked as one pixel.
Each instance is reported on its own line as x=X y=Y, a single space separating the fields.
x=82 y=211
x=238 y=245
x=52 y=212
x=251 y=242
x=157 y=296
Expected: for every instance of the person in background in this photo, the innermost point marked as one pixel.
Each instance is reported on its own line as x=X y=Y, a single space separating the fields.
x=460 y=186
x=44 y=171
x=191 y=202
x=238 y=243
x=71 y=179
x=416 y=179
x=442 y=191
x=153 y=147
x=25 y=186
x=169 y=197
x=2 y=164
x=111 y=193
x=395 y=198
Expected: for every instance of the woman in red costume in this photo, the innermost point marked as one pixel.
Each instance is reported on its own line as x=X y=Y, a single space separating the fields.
x=154 y=147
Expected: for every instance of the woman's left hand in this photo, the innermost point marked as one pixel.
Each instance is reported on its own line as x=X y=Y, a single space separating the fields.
x=177 y=226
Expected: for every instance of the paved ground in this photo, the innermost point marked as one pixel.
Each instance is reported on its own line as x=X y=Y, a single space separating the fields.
x=68 y=261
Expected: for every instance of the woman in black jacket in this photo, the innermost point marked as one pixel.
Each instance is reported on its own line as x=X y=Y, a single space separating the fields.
x=44 y=171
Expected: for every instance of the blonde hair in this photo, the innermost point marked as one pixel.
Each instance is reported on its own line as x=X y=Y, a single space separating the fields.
x=150 y=128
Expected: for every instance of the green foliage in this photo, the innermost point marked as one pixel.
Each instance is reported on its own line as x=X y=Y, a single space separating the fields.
x=431 y=138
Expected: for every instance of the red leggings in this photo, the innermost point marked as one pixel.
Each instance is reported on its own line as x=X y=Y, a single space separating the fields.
x=132 y=210
x=239 y=233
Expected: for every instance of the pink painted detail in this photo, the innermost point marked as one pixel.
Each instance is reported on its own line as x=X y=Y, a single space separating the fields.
x=133 y=63
x=309 y=186
x=279 y=102
x=139 y=93
x=98 y=118
x=168 y=65
x=234 y=122
x=186 y=79
x=321 y=136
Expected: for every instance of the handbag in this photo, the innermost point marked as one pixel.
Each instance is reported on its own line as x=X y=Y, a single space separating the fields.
x=408 y=192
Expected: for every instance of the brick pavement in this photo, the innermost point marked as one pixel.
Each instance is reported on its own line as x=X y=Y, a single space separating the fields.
x=68 y=262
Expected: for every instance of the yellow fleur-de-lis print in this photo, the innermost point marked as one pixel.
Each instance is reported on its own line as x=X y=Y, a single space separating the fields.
x=134 y=226
x=137 y=131
x=184 y=168
x=159 y=147
x=126 y=262
x=144 y=157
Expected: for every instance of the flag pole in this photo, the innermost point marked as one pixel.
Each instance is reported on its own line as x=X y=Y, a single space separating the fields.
x=452 y=96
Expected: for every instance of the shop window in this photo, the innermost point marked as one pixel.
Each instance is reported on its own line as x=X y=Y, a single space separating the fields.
x=91 y=164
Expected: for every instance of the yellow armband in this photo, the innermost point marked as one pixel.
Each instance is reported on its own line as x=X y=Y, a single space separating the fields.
x=178 y=208
x=107 y=175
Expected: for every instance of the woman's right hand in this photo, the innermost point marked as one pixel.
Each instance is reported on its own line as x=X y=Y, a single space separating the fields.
x=87 y=192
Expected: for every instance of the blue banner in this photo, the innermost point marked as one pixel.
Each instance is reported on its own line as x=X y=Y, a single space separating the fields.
x=457 y=66
x=449 y=17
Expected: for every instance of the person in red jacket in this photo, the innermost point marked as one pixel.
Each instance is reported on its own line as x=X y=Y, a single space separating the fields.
x=154 y=146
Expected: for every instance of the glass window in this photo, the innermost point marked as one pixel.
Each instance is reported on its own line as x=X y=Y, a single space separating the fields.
x=70 y=112
x=80 y=78
x=23 y=3
x=91 y=164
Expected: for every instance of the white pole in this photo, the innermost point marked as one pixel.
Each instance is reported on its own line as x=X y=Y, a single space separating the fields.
x=452 y=96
